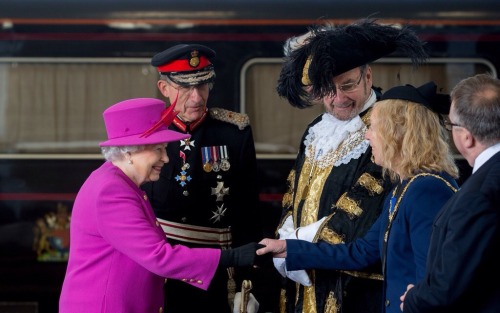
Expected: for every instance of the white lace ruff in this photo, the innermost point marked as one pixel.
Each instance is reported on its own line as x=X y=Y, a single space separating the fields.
x=330 y=132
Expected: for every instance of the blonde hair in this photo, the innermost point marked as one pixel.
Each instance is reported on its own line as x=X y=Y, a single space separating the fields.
x=413 y=140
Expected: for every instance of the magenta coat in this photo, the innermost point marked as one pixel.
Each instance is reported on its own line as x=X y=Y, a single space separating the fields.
x=119 y=256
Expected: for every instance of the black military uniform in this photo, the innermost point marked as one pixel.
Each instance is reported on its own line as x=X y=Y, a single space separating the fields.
x=206 y=195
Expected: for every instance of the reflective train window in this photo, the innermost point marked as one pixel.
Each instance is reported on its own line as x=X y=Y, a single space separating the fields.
x=278 y=126
x=50 y=105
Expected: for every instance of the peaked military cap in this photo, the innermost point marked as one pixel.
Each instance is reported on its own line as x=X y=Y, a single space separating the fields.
x=330 y=52
x=425 y=95
x=186 y=64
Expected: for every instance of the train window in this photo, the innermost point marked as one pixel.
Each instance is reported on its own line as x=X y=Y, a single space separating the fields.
x=278 y=127
x=51 y=105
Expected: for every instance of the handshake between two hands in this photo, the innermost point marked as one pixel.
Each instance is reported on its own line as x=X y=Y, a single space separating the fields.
x=258 y=253
x=277 y=248
x=253 y=254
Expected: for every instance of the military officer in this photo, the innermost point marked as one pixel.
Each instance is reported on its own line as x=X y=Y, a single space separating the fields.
x=206 y=195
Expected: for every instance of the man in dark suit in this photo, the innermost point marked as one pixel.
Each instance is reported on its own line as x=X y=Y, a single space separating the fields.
x=463 y=251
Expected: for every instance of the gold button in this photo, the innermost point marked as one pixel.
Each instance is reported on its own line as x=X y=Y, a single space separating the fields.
x=145 y=197
x=184 y=279
x=166 y=280
x=200 y=282
x=161 y=310
x=387 y=302
x=191 y=280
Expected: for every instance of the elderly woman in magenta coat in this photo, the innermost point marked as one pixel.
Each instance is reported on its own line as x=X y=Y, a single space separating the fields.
x=119 y=256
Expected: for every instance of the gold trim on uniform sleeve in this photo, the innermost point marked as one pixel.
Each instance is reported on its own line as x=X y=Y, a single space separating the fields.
x=350 y=206
x=330 y=236
x=372 y=184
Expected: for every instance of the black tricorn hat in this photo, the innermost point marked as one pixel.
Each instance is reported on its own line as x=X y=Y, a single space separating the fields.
x=186 y=64
x=425 y=95
x=333 y=51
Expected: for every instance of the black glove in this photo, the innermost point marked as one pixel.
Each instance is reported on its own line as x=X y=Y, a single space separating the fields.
x=240 y=257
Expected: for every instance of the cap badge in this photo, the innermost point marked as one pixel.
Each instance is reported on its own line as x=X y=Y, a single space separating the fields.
x=194 y=61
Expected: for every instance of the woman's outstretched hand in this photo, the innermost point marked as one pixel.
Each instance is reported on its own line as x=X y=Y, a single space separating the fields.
x=276 y=247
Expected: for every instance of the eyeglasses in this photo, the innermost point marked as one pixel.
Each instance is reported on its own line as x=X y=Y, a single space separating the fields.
x=349 y=87
x=189 y=89
x=449 y=125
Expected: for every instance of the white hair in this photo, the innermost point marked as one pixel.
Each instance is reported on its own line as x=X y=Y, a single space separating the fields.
x=113 y=153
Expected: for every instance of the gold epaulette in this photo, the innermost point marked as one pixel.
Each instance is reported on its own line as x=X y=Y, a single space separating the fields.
x=239 y=119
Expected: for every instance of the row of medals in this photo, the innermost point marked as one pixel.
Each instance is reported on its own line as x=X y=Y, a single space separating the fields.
x=216 y=166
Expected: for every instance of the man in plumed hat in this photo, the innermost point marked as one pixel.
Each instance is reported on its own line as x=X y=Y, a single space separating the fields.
x=335 y=190
x=206 y=195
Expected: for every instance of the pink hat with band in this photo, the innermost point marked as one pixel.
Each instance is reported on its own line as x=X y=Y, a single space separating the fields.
x=140 y=121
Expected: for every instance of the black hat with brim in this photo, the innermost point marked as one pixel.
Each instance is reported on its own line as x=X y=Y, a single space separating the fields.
x=334 y=51
x=425 y=95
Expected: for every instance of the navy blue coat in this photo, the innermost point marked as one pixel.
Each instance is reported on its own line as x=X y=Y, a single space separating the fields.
x=463 y=263
x=405 y=253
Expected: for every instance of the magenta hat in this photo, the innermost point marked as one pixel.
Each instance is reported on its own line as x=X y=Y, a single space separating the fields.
x=140 y=121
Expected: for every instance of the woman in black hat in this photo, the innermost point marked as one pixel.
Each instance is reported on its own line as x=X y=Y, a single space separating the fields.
x=409 y=141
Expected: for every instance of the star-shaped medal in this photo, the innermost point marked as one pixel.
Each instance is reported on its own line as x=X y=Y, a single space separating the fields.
x=187 y=144
x=219 y=191
x=219 y=213
x=183 y=178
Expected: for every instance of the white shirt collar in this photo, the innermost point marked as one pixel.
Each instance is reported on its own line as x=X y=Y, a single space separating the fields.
x=370 y=101
x=484 y=156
